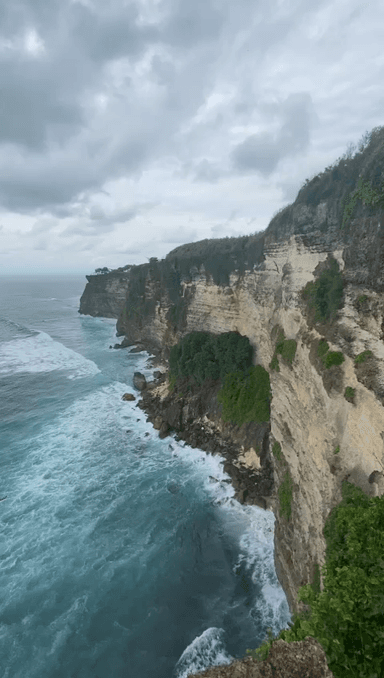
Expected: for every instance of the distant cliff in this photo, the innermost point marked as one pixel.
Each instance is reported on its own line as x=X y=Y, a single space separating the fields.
x=327 y=420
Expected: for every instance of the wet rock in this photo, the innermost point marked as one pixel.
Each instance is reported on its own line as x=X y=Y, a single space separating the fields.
x=304 y=659
x=128 y=396
x=164 y=430
x=139 y=381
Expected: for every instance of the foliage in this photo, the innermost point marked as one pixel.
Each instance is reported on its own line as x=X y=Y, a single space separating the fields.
x=207 y=356
x=333 y=358
x=284 y=347
x=276 y=450
x=274 y=364
x=322 y=348
x=326 y=294
x=246 y=397
x=362 y=357
x=337 y=450
x=347 y=617
x=349 y=392
x=102 y=270
x=287 y=349
x=285 y=496
x=367 y=194
x=362 y=298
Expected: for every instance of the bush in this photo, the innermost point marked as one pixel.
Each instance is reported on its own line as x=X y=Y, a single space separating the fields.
x=349 y=393
x=287 y=349
x=326 y=294
x=207 y=356
x=246 y=397
x=333 y=358
x=274 y=364
x=362 y=357
x=322 y=348
x=347 y=617
x=276 y=450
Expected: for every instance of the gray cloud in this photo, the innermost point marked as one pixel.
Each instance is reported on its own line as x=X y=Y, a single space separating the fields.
x=188 y=109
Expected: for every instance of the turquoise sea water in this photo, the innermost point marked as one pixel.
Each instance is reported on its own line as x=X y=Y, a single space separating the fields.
x=121 y=555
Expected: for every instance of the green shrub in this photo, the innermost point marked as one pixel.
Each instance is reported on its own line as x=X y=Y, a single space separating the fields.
x=362 y=357
x=333 y=358
x=285 y=496
x=326 y=293
x=274 y=364
x=207 y=356
x=287 y=349
x=337 y=450
x=276 y=450
x=364 y=192
x=347 y=617
x=322 y=348
x=349 y=392
x=246 y=397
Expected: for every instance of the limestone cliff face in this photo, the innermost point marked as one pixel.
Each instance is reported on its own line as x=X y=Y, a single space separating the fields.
x=104 y=295
x=310 y=416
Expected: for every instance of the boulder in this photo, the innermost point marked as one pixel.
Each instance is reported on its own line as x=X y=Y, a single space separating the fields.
x=157 y=423
x=128 y=396
x=157 y=374
x=164 y=430
x=139 y=381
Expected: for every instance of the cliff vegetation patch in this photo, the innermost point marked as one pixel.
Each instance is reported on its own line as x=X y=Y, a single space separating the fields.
x=246 y=397
x=347 y=617
x=367 y=194
x=284 y=347
x=207 y=356
x=285 y=496
x=325 y=295
x=362 y=357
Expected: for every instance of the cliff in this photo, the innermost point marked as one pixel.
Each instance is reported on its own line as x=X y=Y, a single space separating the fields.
x=319 y=433
x=104 y=295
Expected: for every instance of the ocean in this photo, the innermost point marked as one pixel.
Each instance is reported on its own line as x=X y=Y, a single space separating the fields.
x=121 y=555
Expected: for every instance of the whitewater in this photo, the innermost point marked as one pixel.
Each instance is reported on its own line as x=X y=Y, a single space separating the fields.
x=121 y=555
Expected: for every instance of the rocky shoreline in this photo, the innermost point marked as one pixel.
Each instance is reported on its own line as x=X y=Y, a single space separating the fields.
x=191 y=412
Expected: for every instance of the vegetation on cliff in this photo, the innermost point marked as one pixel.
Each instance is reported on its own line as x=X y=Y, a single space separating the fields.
x=325 y=295
x=209 y=356
x=245 y=393
x=347 y=617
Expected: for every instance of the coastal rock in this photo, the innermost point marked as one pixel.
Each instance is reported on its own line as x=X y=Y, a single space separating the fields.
x=128 y=396
x=304 y=659
x=104 y=295
x=139 y=381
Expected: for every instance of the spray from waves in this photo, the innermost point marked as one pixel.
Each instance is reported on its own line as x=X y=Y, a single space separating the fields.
x=41 y=353
x=205 y=650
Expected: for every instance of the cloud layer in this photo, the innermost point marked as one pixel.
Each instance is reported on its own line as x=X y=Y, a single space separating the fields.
x=130 y=127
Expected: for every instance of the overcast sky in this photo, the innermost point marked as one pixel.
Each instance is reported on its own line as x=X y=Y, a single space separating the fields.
x=129 y=127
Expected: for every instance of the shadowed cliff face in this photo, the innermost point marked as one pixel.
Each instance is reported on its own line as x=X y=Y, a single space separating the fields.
x=253 y=285
x=104 y=295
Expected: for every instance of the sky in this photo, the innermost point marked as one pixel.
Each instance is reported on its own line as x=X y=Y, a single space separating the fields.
x=130 y=127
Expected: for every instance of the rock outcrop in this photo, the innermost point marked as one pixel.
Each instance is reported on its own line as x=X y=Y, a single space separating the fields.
x=304 y=659
x=327 y=424
x=105 y=293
